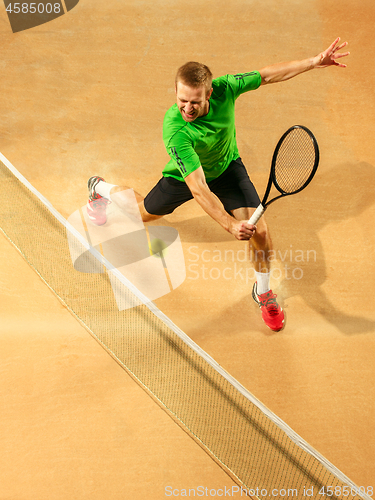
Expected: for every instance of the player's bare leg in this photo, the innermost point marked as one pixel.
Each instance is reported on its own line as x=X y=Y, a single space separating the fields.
x=260 y=247
x=118 y=196
x=260 y=244
x=101 y=193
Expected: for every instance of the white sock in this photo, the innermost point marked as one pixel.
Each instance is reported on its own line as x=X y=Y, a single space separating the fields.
x=104 y=189
x=263 y=282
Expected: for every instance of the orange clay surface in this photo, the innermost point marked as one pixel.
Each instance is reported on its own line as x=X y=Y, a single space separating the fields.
x=86 y=94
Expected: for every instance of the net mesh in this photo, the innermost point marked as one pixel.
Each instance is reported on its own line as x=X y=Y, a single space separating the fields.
x=257 y=452
x=295 y=161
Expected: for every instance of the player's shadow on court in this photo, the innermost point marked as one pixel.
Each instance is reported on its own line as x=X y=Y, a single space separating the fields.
x=335 y=196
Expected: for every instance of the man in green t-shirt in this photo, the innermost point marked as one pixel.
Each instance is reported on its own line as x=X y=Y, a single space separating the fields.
x=200 y=137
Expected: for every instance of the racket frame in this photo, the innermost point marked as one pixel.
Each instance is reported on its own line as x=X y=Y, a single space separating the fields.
x=272 y=177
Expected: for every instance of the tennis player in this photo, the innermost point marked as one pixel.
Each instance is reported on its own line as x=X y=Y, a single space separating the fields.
x=200 y=137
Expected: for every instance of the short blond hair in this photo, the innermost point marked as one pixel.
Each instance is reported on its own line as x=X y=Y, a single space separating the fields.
x=194 y=74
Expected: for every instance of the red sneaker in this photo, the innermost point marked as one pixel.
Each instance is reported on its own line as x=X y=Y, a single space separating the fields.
x=97 y=205
x=272 y=313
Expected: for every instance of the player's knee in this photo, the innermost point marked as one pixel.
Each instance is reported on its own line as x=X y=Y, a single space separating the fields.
x=146 y=217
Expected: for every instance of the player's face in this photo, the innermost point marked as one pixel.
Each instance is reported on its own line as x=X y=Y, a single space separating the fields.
x=192 y=102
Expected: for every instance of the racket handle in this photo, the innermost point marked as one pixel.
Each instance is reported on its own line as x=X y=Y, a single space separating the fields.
x=257 y=214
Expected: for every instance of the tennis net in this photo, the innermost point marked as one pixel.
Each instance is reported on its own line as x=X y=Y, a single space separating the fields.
x=257 y=449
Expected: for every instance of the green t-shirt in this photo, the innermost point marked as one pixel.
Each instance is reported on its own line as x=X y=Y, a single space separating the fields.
x=210 y=140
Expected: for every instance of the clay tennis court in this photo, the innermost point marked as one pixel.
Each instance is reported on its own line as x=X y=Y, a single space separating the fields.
x=86 y=94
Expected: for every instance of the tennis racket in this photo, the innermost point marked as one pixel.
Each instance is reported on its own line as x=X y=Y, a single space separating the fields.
x=293 y=167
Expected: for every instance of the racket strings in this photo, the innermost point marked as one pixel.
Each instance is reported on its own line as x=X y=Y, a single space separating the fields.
x=295 y=161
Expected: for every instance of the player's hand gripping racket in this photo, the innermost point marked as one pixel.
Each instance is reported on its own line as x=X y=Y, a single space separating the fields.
x=294 y=164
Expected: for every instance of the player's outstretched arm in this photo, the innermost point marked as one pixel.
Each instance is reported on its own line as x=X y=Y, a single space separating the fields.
x=329 y=57
x=196 y=182
x=285 y=71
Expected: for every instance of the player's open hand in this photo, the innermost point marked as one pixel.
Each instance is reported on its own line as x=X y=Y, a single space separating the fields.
x=242 y=230
x=329 y=57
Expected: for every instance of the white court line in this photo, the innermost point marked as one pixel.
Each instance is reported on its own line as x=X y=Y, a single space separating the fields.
x=195 y=347
x=64 y=6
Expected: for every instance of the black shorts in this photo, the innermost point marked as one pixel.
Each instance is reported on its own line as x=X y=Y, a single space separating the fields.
x=233 y=188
